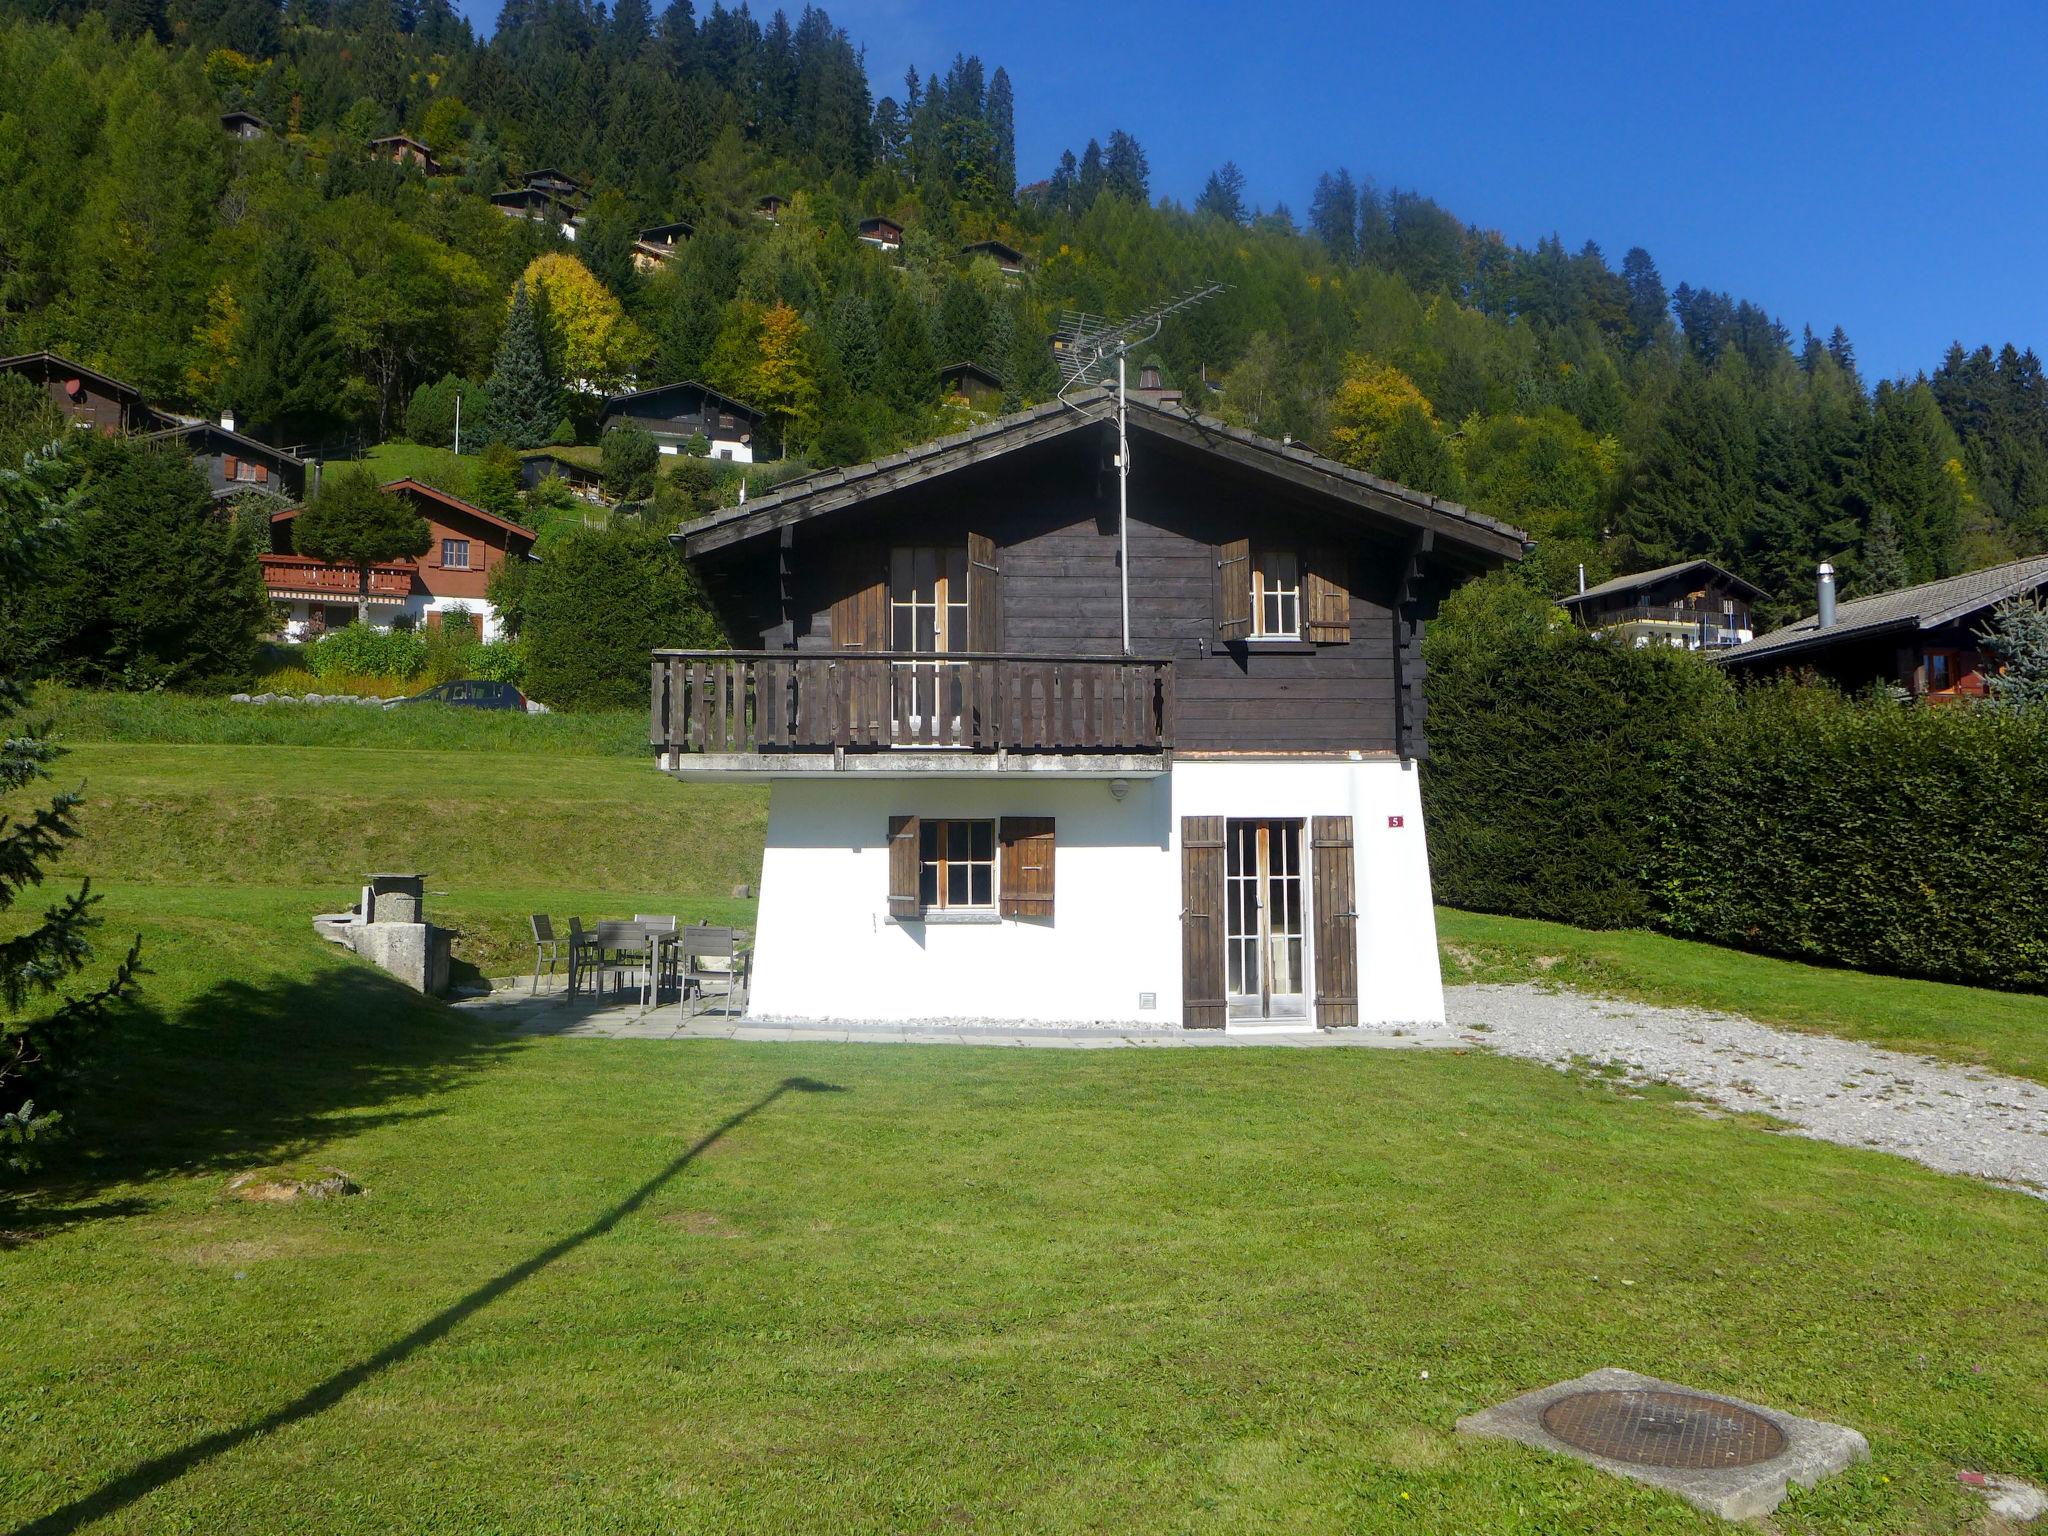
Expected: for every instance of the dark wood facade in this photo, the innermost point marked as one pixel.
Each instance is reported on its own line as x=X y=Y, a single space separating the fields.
x=87 y=397
x=674 y=413
x=1039 y=525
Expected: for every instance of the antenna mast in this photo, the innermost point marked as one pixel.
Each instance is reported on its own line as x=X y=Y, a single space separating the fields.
x=1083 y=347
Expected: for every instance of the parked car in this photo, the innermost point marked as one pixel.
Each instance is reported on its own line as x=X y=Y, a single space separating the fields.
x=472 y=693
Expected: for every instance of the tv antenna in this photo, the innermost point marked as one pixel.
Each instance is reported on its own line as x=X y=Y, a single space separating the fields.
x=1084 y=346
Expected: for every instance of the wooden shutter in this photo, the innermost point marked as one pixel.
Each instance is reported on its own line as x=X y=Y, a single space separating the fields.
x=860 y=616
x=1234 y=589
x=1201 y=922
x=228 y=465
x=984 y=595
x=904 y=846
x=1027 y=845
x=1326 y=596
x=1333 y=898
x=262 y=475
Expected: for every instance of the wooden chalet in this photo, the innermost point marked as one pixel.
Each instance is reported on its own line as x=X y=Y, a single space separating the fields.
x=88 y=398
x=401 y=149
x=1028 y=761
x=449 y=584
x=1923 y=639
x=1008 y=259
x=241 y=124
x=980 y=387
x=1695 y=605
x=537 y=465
x=675 y=413
x=658 y=245
x=770 y=208
x=234 y=463
x=882 y=234
x=545 y=197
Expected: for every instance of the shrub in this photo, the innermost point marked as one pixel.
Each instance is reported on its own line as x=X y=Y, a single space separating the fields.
x=628 y=460
x=361 y=650
x=494 y=481
x=1549 y=748
x=430 y=417
x=1865 y=832
x=593 y=609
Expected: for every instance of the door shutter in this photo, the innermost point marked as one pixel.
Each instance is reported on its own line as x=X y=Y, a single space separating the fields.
x=984 y=595
x=1327 y=596
x=860 y=615
x=903 y=868
x=1027 y=845
x=1201 y=922
x=1234 y=589
x=1336 y=920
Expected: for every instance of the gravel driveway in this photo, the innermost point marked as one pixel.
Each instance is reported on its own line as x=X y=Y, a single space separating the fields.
x=1957 y=1119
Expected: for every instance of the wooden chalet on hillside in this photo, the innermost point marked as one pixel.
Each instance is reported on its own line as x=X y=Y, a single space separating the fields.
x=1694 y=605
x=242 y=124
x=673 y=414
x=234 y=463
x=985 y=803
x=980 y=387
x=402 y=149
x=87 y=397
x=882 y=234
x=659 y=244
x=1921 y=639
x=546 y=197
x=1008 y=259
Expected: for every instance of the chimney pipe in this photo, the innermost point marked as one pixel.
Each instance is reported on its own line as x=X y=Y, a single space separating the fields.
x=1582 y=579
x=227 y=420
x=1827 y=596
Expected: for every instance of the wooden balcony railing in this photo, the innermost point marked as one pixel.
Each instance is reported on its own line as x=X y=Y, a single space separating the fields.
x=302 y=573
x=802 y=701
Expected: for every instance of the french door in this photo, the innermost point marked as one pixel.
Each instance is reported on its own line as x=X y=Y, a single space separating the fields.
x=1263 y=920
x=928 y=612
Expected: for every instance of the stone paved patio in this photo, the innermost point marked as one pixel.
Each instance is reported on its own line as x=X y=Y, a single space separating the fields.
x=556 y=1013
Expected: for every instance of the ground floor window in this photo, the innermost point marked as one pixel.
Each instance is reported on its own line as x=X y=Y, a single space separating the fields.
x=957 y=865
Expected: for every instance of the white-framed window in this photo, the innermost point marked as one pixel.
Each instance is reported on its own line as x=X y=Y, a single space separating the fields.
x=927 y=598
x=455 y=554
x=957 y=865
x=1276 y=594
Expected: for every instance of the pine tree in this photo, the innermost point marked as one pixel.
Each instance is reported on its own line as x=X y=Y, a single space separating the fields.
x=288 y=372
x=1333 y=216
x=523 y=396
x=1649 y=307
x=856 y=341
x=1002 y=122
x=1125 y=170
x=908 y=374
x=39 y=957
x=1223 y=194
x=2017 y=635
x=353 y=522
x=1883 y=567
x=1088 y=181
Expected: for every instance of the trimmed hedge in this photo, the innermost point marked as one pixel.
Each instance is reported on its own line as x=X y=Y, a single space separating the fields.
x=1604 y=786
x=1863 y=832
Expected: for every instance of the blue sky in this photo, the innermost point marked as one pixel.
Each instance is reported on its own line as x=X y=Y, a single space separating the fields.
x=1875 y=165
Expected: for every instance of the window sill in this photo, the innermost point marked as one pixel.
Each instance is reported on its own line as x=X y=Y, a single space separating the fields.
x=957 y=917
x=1279 y=645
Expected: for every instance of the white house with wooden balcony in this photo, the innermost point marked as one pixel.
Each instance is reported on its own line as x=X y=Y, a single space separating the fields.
x=1001 y=788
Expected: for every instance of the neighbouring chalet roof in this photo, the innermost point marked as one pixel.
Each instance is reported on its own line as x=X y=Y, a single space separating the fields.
x=1927 y=606
x=401 y=138
x=440 y=498
x=995 y=248
x=971 y=370
x=549 y=176
x=49 y=365
x=211 y=436
x=835 y=489
x=666 y=234
x=1622 y=585
x=238 y=116
x=876 y=224
x=617 y=403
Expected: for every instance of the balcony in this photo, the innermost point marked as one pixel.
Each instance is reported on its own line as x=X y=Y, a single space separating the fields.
x=288 y=576
x=800 y=713
x=1690 y=629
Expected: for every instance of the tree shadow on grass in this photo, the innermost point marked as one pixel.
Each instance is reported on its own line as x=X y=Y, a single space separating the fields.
x=155 y=1473
x=251 y=1073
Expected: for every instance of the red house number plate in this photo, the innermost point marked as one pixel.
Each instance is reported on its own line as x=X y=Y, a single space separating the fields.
x=1394 y=821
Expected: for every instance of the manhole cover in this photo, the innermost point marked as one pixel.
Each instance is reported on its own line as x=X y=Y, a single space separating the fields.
x=1664 y=1429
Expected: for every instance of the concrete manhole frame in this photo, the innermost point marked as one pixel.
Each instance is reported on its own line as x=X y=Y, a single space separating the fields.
x=1722 y=1455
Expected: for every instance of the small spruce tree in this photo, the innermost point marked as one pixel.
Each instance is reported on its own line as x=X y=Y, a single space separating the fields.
x=1884 y=561
x=524 y=400
x=2017 y=636
x=36 y=960
x=352 y=522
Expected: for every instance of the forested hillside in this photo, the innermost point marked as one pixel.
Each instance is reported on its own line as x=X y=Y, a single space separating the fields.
x=315 y=289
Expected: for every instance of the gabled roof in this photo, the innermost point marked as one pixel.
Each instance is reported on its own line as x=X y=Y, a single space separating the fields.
x=242 y=115
x=879 y=221
x=441 y=498
x=1640 y=579
x=995 y=248
x=549 y=173
x=212 y=433
x=401 y=138
x=665 y=233
x=987 y=376
x=53 y=363
x=833 y=490
x=739 y=407
x=1927 y=606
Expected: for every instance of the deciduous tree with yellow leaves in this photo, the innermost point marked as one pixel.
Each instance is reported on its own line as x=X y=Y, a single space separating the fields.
x=601 y=346
x=785 y=382
x=1381 y=423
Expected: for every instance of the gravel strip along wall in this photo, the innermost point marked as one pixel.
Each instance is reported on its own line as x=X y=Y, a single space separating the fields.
x=1956 y=1119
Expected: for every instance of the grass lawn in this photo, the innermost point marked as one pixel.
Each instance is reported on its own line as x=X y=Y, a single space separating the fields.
x=2006 y=1031
x=642 y=1286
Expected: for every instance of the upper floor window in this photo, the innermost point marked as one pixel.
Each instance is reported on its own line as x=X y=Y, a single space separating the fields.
x=455 y=554
x=1276 y=594
x=927 y=598
x=1941 y=671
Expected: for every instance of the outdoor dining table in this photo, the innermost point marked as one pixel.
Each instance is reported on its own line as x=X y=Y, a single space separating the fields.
x=627 y=942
